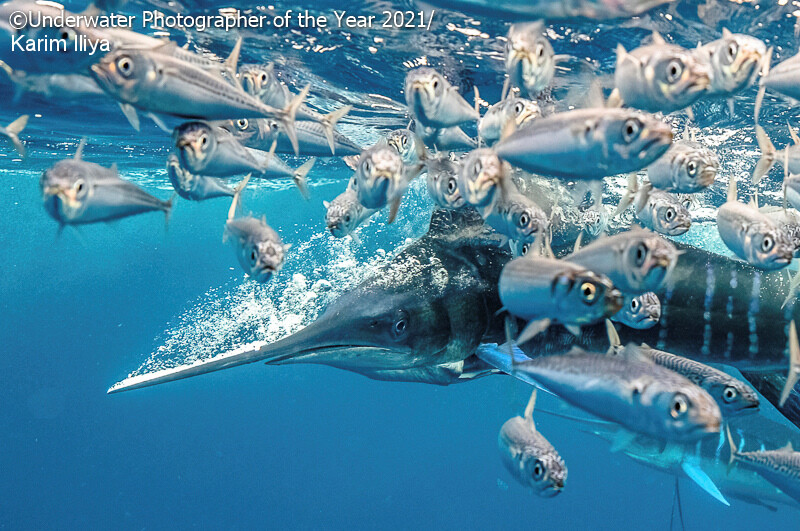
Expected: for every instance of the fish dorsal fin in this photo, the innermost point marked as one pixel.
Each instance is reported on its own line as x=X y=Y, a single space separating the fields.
x=686 y=131
x=529 y=409
x=326 y=204
x=79 y=151
x=793 y=133
x=787 y=448
x=232 y=62
x=794 y=365
x=658 y=39
x=726 y=33
x=732 y=193
x=623 y=55
x=613 y=336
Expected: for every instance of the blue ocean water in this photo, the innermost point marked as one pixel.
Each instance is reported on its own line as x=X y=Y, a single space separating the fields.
x=295 y=446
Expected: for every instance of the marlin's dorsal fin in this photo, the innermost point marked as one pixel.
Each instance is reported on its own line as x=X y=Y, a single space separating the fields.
x=79 y=151
x=529 y=409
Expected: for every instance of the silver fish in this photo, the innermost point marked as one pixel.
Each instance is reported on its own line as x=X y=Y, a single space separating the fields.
x=751 y=235
x=519 y=110
x=434 y=102
x=636 y=261
x=212 y=151
x=260 y=133
x=660 y=77
x=160 y=83
x=77 y=192
x=259 y=248
x=55 y=86
x=792 y=187
x=261 y=82
x=587 y=143
x=594 y=221
x=779 y=467
x=12 y=131
x=382 y=178
x=641 y=396
x=482 y=179
x=788 y=219
x=530 y=61
x=345 y=214
x=657 y=210
x=529 y=457
x=687 y=167
x=783 y=77
x=519 y=249
x=442 y=183
x=544 y=290
x=446 y=139
x=194 y=187
x=733 y=396
x=408 y=145
x=733 y=62
x=789 y=156
x=518 y=218
x=640 y=312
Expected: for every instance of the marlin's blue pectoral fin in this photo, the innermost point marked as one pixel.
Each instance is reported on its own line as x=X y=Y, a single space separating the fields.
x=695 y=473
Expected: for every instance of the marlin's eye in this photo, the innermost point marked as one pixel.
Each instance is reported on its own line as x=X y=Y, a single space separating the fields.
x=400 y=327
x=634 y=304
x=451 y=185
x=729 y=394
x=670 y=214
x=731 y=51
x=125 y=65
x=767 y=243
x=679 y=407
x=631 y=130
x=674 y=71
x=691 y=168
x=641 y=254
x=242 y=123
x=589 y=291
x=538 y=470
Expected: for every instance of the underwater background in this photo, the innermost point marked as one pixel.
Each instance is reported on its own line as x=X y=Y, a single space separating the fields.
x=301 y=446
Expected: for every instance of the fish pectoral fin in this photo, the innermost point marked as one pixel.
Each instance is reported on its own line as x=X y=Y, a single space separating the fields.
x=131 y=115
x=533 y=329
x=394 y=208
x=695 y=473
x=622 y=439
x=329 y=125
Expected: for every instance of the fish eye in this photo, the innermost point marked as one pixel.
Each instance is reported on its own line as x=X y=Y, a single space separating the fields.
x=674 y=70
x=67 y=34
x=540 y=50
x=367 y=166
x=435 y=84
x=679 y=407
x=641 y=254
x=731 y=51
x=403 y=141
x=518 y=108
x=399 y=327
x=125 y=65
x=631 y=130
x=589 y=291
x=242 y=123
x=538 y=470
x=767 y=243
x=691 y=168
x=670 y=214
x=729 y=394
x=263 y=77
x=78 y=186
x=253 y=256
x=525 y=248
x=347 y=218
x=451 y=185
x=524 y=219
x=477 y=167
x=634 y=304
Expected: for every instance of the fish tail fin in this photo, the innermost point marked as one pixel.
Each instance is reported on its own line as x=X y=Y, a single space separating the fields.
x=300 y=177
x=287 y=116
x=329 y=122
x=13 y=130
x=794 y=364
x=768 y=155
